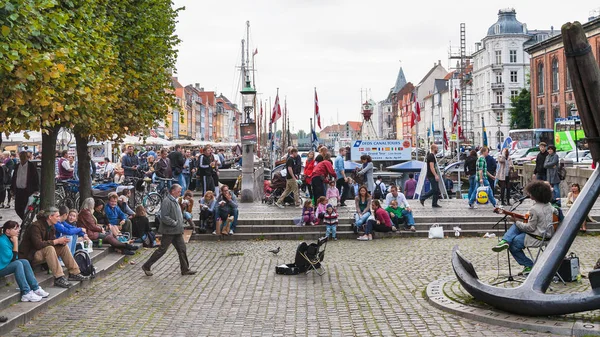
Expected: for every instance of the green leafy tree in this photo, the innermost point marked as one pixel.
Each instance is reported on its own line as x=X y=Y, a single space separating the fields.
x=302 y=134
x=520 y=111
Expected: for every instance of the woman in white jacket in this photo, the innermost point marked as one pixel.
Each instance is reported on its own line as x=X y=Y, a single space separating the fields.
x=502 y=174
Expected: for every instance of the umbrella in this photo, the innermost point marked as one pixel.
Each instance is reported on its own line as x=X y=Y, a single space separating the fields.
x=409 y=166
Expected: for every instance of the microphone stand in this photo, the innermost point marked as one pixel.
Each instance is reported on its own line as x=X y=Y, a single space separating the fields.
x=510 y=277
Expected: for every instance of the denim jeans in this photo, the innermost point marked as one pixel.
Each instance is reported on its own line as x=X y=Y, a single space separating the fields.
x=360 y=220
x=490 y=193
x=187 y=215
x=410 y=220
x=225 y=213
x=516 y=244
x=331 y=230
x=181 y=181
x=23 y=275
x=556 y=191
x=472 y=183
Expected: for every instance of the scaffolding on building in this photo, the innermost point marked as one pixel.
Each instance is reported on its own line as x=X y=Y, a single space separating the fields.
x=466 y=88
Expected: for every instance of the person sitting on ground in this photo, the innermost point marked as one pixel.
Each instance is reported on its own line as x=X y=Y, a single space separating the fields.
x=530 y=233
x=67 y=226
x=362 y=203
x=382 y=222
x=330 y=220
x=11 y=264
x=402 y=209
x=380 y=189
x=228 y=206
x=308 y=214
x=321 y=208
x=333 y=194
x=207 y=212
x=410 y=186
x=117 y=220
x=99 y=214
x=186 y=202
x=140 y=225
x=95 y=232
x=39 y=244
x=571 y=197
x=123 y=202
x=395 y=213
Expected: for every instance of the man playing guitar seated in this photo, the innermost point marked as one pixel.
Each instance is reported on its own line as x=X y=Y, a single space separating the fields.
x=534 y=224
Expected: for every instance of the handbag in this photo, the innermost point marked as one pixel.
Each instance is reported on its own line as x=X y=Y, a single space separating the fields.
x=436 y=232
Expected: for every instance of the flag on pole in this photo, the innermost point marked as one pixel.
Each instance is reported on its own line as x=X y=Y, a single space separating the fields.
x=317 y=113
x=507 y=143
x=276 y=114
x=456 y=110
x=255 y=51
x=314 y=137
x=485 y=140
x=445 y=140
x=417 y=111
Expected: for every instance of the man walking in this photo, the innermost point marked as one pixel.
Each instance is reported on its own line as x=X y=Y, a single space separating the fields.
x=177 y=162
x=539 y=172
x=433 y=178
x=25 y=182
x=171 y=228
x=482 y=176
x=130 y=163
x=291 y=181
x=342 y=182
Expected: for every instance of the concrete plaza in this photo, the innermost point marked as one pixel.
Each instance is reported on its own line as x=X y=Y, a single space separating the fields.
x=370 y=289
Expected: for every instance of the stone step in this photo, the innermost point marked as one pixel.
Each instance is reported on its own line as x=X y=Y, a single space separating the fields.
x=19 y=313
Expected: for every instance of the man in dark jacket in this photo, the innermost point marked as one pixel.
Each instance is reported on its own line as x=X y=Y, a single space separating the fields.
x=171 y=228
x=491 y=168
x=40 y=245
x=25 y=182
x=471 y=170
x=130 y=163
x=177 y=161
x=539 y=172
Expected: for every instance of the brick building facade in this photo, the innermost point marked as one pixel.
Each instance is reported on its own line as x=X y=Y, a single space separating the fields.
x=551 y=91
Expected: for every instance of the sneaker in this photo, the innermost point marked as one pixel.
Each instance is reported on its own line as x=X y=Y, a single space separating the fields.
x=502 y=245
x=279 y=205
x=147 y=271
x=128 y=252
x=41 y=293
x=525 y=271
x=132 y=247
x=62 y=282
x=31 y=297
x=394 y=229
x=230 y=232
x=436 y=206
x=413 y=229
x=362 y=238
x=189 y=272
x=334 y=239
x=471 y=206
x=79 y=277
x=214 y=233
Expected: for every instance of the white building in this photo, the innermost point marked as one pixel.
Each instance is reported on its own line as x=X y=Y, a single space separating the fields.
x=425 y=91
x=500 y=71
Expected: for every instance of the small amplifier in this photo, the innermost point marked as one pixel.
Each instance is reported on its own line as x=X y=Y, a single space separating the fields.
x=569 y=268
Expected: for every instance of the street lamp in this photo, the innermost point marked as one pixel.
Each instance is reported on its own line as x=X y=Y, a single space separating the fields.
x=248 y=96
x=249 y=139
x=574 y=113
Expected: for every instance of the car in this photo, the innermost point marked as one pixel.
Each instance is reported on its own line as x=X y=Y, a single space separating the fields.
x=572 y=156
x=527 y=158
x=519 y=154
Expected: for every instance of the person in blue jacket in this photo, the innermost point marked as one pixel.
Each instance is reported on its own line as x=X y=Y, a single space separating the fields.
x=117 y=220
x=11 y=264
x=67 y=226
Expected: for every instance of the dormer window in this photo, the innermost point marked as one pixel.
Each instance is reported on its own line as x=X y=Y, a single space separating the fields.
x=497 y=29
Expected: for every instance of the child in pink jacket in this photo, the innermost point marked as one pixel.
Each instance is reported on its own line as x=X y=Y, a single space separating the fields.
x=333 y=195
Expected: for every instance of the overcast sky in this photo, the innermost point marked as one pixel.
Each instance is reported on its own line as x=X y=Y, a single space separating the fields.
x=338 y=46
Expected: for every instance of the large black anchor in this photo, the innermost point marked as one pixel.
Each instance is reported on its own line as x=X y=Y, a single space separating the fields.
x=530 y=298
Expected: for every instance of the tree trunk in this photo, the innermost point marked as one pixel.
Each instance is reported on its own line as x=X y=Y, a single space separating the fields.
x=48 y=177
x=83 y=167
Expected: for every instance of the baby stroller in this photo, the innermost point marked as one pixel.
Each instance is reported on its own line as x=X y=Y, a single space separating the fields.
x=277 y=187
x=308 y=258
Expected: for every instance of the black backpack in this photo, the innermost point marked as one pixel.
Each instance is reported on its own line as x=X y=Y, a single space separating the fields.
x=6 y=176
x=562 y=173
x=149 y=240
x=86 y=267
x=377 y=193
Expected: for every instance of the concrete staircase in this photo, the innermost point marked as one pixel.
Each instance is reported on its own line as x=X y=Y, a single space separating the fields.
x=19 y=313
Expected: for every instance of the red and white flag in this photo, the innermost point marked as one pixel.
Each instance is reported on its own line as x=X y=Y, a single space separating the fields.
x=456 y=110
x=445 y=140
x=416 y=115
x=276 y=114
x=317 y=113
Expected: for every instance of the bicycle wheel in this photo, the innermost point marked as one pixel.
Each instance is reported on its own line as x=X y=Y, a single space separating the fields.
x=71 y=203
x=138 y=197
x=27 y=220
x=152 y=203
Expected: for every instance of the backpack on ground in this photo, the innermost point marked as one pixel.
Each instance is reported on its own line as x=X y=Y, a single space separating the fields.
x=86 y=267
x=149 y=239
x=377 y=194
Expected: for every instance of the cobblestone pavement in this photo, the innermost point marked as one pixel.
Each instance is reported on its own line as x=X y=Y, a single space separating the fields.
x=370 y=289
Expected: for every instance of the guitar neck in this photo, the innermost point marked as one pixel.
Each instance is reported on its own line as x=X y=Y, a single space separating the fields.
x=514 y=215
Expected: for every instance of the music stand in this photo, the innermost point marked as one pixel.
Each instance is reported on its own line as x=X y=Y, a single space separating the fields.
x=510 y=277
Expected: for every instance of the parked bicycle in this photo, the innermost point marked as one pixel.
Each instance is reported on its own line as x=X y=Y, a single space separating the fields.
x=67 y=194
x=153 y=200
x=33 y=208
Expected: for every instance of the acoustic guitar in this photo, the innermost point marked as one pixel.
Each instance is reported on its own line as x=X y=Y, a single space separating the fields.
x=524 y=217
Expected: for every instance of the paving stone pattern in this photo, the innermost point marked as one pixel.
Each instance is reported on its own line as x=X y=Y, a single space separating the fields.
x=370 y=289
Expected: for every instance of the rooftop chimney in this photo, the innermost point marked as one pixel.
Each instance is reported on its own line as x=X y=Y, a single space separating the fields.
x=196 y=85
x=201 y=89
x=439 y=62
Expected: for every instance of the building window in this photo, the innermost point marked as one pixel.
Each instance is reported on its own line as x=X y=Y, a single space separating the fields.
x=542 y=118
x=499 y=97
x=498 y=56
x=513 y=76
x=499 y=137
x=512 y=56
x=540 y=78
x=569 y=85
x=514 y=93
x=499 y=118
x=556 y=112
x=554 y=75
x=498 y=77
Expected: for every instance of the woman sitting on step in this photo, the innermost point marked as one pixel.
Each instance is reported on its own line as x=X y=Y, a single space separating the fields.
x=207 y=212
x=11 y=264
x=95 y=232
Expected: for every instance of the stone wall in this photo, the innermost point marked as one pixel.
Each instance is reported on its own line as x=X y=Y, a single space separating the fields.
x=577 y=174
